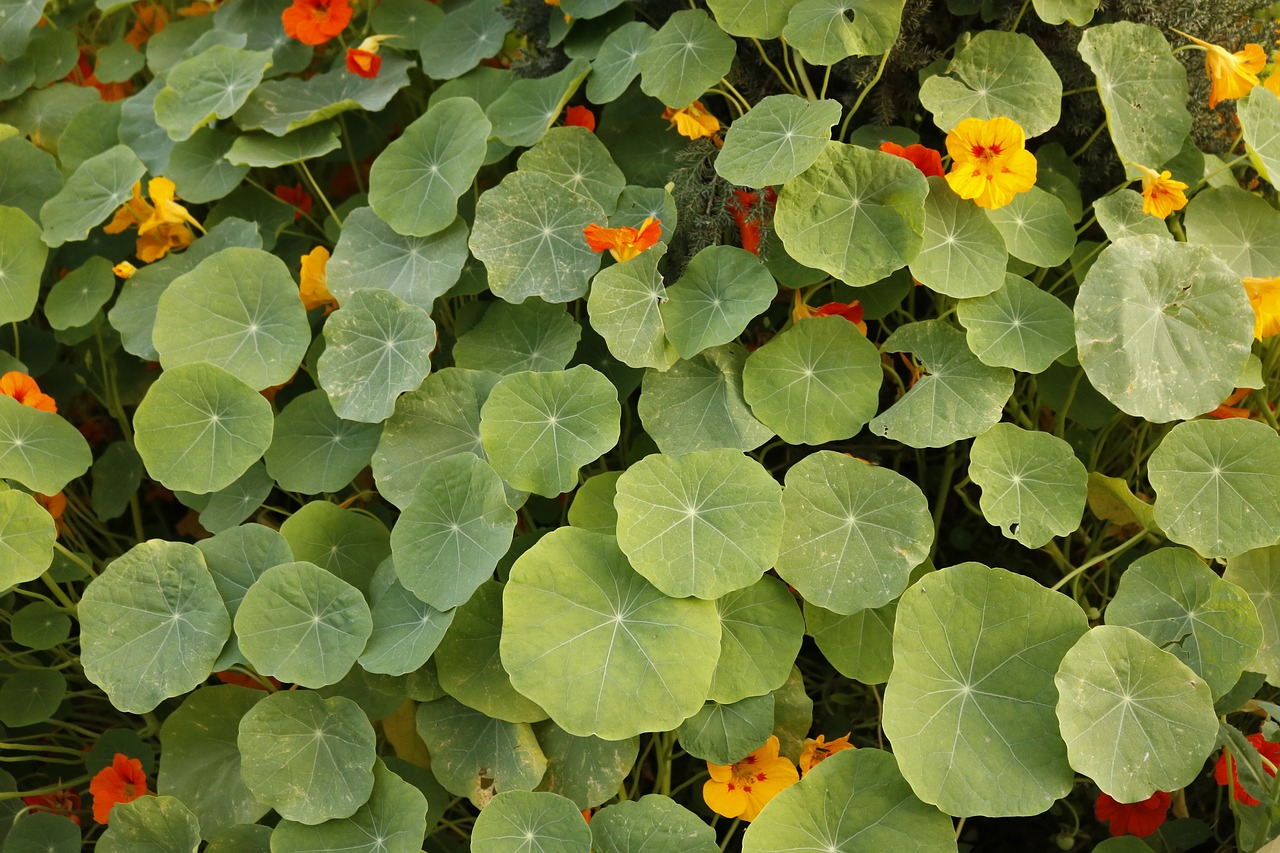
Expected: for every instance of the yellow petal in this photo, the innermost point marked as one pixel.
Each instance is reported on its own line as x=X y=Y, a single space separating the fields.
x=724 y=799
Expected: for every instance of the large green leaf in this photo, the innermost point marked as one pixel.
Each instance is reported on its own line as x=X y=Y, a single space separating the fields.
x=521 y=821
x=524 y=112
x=212 y=84
x=470 y=32
x=473 y=755
x=996 y=74
x=827 y=31
x=199 y=168
x=406 y=630
x=624 y=306
x=236 y=557
x=40 y=450
x=575 y=158
x=776 y=140
x=853 y=532
x=985 y=708
x=963 y=254
x=415 y=182
x=283 y=106
x=393 y=820
x=311 y=759
x=371 y=255
x=684 y=58
x=1238 y=227
x=761 y=19
x=1018 y=326
x=1033 y=486
x=817 y=381
x=151 y=825
x=1257 y=572
x=27 y=535
x=199 y=428
x=31 y=176
x=617 y=62
x=348 y=543
x=856 y=801
x=151 y=625
x=958 y=397
x=603 y=651
x=722 y=290
x=18 y=18
x=761 y=629
x=1120 y=215
x=1259 y=113
x=533 y=335
x=1036 y=228
x=263 y=149
x=22 y=258
x=1143 y=90
x=1218 y=485
x=702 y=524
x=651 y=824
x=855 y=213
x=587 y=770
x=313 y=450
x=94 y=191
x=538 y=429
x=1163 y=328
x=1135 y=718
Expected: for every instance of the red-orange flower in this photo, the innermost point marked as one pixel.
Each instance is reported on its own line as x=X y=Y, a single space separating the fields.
x=122 y=782
x=55 y=505
x=1228 y=408
x=580 y=117
x=363 y=63
x=244 y=679
x=851 y=311
x=151 y=20
x=1270 y=751
x=24 y=389
x=744 y=206
x=296 y=196
x=925 y=159
x=65 y=802
x=316 y=21
x=817 y=750
x=1140 y=819
x=623 y=243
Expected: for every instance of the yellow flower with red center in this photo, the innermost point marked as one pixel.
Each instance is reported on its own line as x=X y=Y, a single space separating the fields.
x=314 y=286
x=1231 y=75
x=623 y=243
x=1264 y=296
x=162 y=223
x=693 y=121
x=745 y=787
x=989 y=161
x=1161 y=194
x=819 y=749
x=24 y=389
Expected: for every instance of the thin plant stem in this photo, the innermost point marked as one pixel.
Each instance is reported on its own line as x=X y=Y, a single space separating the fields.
x=775 y=69
x=862 y=96
x=306 y=173
x=1083 y=567
x=1089 y=141
x=798 y=61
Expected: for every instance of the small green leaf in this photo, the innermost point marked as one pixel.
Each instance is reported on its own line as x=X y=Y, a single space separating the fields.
x=18 y=18
x=1238 y=227
x=313 y=450
x=724 y=734
x=394 y=819
x=761 y=19
x=151 y=825
x=963 y=254
x=371 y=255
x=262 y=149
x=40 y=625
x=348 y=543
x=31 y=696
x=517 y=821
x=22 y=259
x=1036 y=228
x=533 y=335
x=1259 y=113
x=1078 y=12
x=776 y=140
x=31 y=175
x=617 y=62
x=523 y=113
x=586 y=770
x=93 y=192
x=827 y=31
x=283 y=106
x=722 y=290
x=469 y=33
x=199 y=169
x=1018 y=326
x=684 y=58
x=577 y=160
x=1033 y=486
x=1257 y=572
x=406 y=630
x=1120 y=215
x=27 y=535
x=212 y=84
x=761 y=629
x=76 y=299
x=654 y=824
x=624 y=306
x=996 y=74
x=473 y=755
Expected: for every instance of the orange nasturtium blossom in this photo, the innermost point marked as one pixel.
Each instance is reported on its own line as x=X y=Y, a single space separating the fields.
x=64 y=802
x=1231 y=75
x=851 y=311
x=989 y=161
x=692 y=121
x=364 y=60
x=744 y=788
x=162 y=222
x=314 y=286
x=817 y=750
x=1161 y=194
x=121 y=782
x=151 y=19
x=314 y=22
x=928 y=161
x=294 y=195
x=198 y=9
x=623 y=243
x=24 y=389
x=580 y=117
x=1264 y=296
x=124 y=269
x=1228 y=408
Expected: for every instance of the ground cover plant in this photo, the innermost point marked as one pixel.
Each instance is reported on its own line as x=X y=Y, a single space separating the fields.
x=639 y=425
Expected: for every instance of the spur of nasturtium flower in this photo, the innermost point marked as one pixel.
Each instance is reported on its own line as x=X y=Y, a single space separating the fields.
x=989 y=161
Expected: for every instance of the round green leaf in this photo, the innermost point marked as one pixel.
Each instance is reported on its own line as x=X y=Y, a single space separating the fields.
x=1120 y=215
x=603 y=651
x=1218 y=485
x=311 y=759
x=151 y=825
x=95 y=190
x=963 y=253
x=263 y=149
x=1078 y=12
x=407 y=19
x=1174 y=600
x=761 y=19
x=651 y=824
x=533 y=335
x=1238 y=227
x=239 y=309
x=985 y=707
x=1018 y=326
x=856 y=801
x=827 y=31
x=469 y=33
x=415 y=182
x=22 y=258
x=959 y=396
x=370 y=254
x=723 y=734
x=76 y=299
x=406 y=630
x=347 y=543
x=617 y=62
x=227 y=507
x=20 y=18
x=1257 y=572
x=624 y=308
x=392 y=821
x=199 y=428
x=40 y=625
x=39 y=449
x=241 y=838
x=151 y=625
x=30 y=696
x=761 y=629
x=1036 y=228
x=31 y=175
x=855 y=213
x=313 y=450
x=776 y=140
x=283 y=106
x=858 y=646
x=996 y=74
x=520 y=821
x=235 y=558
x=199 y=168
x=577 y=160
x=450 y=537
x=1143 y=89
x=702 y=524
x=212 y=84
x=302 y=624
x=1135 y=718
x=853 y=532
x=538 y=429
x=1259 y=113
x=1033 y=486
x=199 y=759
x=723 y=288
x=473 y=755
x=528 y=233
x=522 y=114
x=41 y=832
x=817 y=381
x=592 y=507
x=586 y=770
x=27 y=534
x=376 y=346
x=685 y=58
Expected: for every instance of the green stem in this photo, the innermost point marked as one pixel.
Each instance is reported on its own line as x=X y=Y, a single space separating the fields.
x=1012 y=28
x=728 y=834
x=775 y=69
x=1083 y=567
x=862 y=96
x=315 y=187
x=798 y=61
x=1089 y=141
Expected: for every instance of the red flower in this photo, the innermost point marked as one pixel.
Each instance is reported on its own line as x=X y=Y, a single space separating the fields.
x=580 y=117
x=244 y=679
x=296 y=196
x=65 y=803
x=316 y=21
x=744 y=207
x=852 y=312
x=363 y=62
x=122 y=782
x=1140 y=819
x=1270 y=751
x=928 y=161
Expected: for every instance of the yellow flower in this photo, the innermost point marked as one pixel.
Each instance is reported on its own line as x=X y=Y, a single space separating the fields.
x=162 y=222
x=744 y=788
x=817 y=751
x=1264 y=295
x=124 y=269
x=1273 y=82
x=623 y=243
x=989 y=161
x=1161 y=194
x=1231 y=75
x=165 y=210
x=693 y=121
x=132 y=212
x=314 y=288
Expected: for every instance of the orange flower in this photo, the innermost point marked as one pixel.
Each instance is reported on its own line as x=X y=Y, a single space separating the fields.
x=580 y=117
x=989 y=161
x=364 y=60
x=818 y=750
x=928 y=161
x=316 y=21
x=198 y=9
x=314 y=286
x=295 y=195
x=151 y=20
x=1273 y=82
x=65 y=802
x=162 y=222
x=1231 y=75
x=55 y=505
x=124 y=270
x=166 y=210
x=122 y=782
x=852 y=311
x=623 y=243
x=1161 y=194
x=24 y=389
x=244 y=679
x=1271 y=755
x=1264 y=296
x=131 y=213
x=742 y=789
x=1140 y=819
x=1228 y=408
x=744 y=208
x=693 y=121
